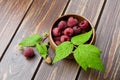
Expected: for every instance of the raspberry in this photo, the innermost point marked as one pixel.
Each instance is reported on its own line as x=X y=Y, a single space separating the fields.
x=56 y=32
x=83 y=31
x=68 y=31
x=64 y=38
x=72 y=22
x=62 y=32
x=84 y=25
x=57 y=42
x=56 y=38
x=28 y=52
x=77 y=30
x=62 y=25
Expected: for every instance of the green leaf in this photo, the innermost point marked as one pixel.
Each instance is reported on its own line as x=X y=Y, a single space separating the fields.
x=63 y=50
x=82 y=38
x=42 y=49
x=88 y=56
x=31 y=40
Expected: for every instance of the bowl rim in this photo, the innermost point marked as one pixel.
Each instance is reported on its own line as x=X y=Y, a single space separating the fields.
x=93 y=29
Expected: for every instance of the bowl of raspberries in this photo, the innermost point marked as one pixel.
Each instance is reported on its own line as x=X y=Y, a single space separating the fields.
x=67 y=26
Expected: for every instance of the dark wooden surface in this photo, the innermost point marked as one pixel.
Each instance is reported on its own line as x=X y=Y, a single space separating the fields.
x=20 y=18
x=12 y=13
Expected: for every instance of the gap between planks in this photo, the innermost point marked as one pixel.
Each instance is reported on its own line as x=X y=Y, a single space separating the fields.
x=16 y=30
x=97 y=21
x=99 y=17
x=96 y=25
x=49 y=46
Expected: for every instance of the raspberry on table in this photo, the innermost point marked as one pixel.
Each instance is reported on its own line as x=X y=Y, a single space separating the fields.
x=28 y=52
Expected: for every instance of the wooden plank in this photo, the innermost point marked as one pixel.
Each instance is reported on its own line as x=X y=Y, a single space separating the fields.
x=39 y=18
x=108 y=40
x=68 y=69
x=11 y=14
x=87 y=8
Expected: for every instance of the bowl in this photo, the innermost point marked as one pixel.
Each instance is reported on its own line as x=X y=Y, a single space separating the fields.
x=65 y=17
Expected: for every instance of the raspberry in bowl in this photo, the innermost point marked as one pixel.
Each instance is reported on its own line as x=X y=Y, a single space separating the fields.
x=67 y=26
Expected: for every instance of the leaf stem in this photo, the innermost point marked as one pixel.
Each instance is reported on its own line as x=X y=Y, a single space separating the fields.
x=44 y=39
x=75 y=46
x=45 y=36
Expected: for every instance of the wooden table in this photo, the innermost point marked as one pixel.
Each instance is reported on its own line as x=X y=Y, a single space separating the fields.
x=20 y=18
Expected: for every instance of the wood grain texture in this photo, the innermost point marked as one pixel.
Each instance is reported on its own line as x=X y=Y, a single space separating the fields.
x=108 y=40
x=68 y=69
x=39 y=18
x=11 y=14
x=88 y=8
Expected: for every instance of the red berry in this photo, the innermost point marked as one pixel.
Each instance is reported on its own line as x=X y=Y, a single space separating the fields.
x=62 y=32
x=72 y=22
x=56 y=32
x=56 y=38
x=57 y=42
x=28 y=52
x=64 y=38
x=77 y=30
x=84 y=25
x=83 y=31
x=62 y=25
x=68 y=31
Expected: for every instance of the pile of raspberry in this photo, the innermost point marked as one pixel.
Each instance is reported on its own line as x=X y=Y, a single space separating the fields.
x=65 y=29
